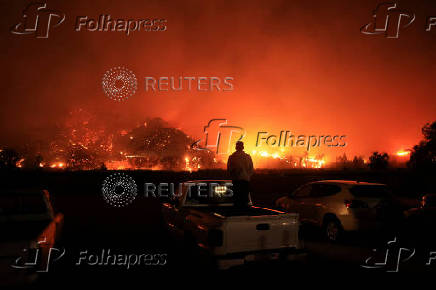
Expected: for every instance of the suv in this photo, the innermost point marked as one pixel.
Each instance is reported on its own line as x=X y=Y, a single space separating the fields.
x=339 y=205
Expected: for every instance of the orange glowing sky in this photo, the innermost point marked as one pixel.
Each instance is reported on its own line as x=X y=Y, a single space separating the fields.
x=301 y=66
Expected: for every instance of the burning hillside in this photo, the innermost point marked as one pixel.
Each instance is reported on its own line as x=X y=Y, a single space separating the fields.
x=85 y=142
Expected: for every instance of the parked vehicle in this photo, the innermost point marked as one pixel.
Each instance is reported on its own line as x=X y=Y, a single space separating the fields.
x=421 y=220
x=231 y=235
x=428 y=202
x=337 y=206
x=30 y=227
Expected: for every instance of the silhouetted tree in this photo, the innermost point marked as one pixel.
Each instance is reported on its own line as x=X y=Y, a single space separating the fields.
x=9 y=158
x=424 y=154
x=156 y=144
x=32 y=161
x=378 y=160
x=342 y=161
x=358 y=162
x=103 y=166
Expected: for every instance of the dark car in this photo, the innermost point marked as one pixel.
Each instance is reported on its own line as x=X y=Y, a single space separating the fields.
x=421 y=220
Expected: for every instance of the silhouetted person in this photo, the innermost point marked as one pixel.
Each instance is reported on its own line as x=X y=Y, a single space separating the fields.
x=240 y=169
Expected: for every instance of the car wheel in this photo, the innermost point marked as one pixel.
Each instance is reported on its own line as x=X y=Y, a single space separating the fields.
x=332 y=230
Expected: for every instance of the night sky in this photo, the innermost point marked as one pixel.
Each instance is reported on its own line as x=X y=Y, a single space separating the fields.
x=302 y=66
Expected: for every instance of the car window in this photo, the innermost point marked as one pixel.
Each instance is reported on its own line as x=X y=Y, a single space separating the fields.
x=370 y=191
x=303 y=191
x=322 y=189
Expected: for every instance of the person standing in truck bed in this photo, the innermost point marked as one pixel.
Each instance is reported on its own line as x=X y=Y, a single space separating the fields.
x=240 y=169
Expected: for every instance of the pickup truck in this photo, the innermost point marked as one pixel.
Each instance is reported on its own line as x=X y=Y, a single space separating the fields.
x=29 y=229
x=203 y=214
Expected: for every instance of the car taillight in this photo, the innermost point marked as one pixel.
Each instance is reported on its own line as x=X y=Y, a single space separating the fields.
x=355 y=204
x=215 y=238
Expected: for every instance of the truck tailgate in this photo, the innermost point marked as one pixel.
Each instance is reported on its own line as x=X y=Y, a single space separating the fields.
x=257 y=233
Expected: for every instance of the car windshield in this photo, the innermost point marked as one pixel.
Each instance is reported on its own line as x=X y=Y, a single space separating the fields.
x=370 y=191
x=209 y=193
x=13 y=204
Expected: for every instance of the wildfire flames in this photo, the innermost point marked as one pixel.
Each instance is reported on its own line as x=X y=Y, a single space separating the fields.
x=403 y=153
x=265 y=159
x=57 y=165
x=84 y=142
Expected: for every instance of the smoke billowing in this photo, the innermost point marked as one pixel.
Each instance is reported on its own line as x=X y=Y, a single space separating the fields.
x=297 y=65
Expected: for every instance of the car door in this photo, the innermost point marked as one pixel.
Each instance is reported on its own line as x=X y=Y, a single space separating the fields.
x=316 y=204
x=298 y=201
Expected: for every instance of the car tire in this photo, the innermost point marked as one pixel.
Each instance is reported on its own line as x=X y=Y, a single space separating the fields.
x=332 y=230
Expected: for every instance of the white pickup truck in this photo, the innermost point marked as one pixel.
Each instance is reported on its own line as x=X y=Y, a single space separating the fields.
x=203 y=214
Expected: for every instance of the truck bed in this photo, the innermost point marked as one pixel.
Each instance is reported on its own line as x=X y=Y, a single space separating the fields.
x=229 y=211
